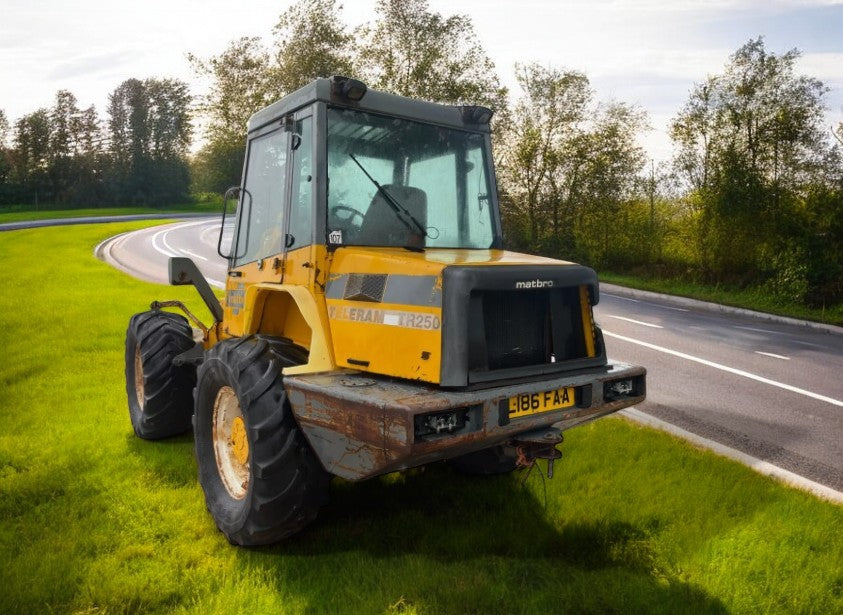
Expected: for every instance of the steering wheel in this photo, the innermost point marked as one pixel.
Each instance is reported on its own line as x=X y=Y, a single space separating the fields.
x=353 y=214
x=353 y=219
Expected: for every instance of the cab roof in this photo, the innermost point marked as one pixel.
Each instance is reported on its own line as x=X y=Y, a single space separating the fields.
x=324 y=90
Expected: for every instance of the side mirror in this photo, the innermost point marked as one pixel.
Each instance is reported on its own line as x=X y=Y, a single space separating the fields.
x=227 y=242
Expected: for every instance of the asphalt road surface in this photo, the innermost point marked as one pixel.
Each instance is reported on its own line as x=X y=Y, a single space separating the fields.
x=768 y=389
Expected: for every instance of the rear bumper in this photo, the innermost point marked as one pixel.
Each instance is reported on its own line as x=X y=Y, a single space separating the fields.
x=361 y=425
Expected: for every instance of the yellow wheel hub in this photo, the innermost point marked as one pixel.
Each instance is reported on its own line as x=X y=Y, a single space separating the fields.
x=239 y=441
x=139 y=377
x=231 y=443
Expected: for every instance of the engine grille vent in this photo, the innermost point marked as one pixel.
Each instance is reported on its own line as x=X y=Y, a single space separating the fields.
x=516 y=329
x=523 y=328
x=365 y=287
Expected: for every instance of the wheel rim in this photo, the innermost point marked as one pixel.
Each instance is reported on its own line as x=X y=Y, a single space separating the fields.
x=231 y=443
x=139 y=377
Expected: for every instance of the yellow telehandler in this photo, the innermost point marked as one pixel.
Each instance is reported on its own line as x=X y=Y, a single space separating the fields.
x=372 y=321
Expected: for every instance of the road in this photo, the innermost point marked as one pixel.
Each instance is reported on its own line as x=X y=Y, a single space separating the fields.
x=771 y=390
x=146 y=253
x=24 y=224
x=768 y=389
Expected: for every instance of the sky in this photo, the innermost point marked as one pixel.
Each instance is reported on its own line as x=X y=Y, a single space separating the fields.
x=647 y=52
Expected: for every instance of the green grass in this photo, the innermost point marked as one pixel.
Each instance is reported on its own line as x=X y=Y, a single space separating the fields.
x=93 y=519
x=18 y=213
x=750 y=298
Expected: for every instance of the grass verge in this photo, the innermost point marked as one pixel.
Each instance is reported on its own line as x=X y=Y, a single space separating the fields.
x=25 y=213
x=750 y=298
x=94 y=520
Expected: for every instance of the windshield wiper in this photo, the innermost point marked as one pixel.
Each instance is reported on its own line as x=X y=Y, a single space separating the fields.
x=401 y=212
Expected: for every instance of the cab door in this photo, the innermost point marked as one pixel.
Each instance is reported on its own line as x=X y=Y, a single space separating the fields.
x=258 y=242
x=300 y=238
x=275 y=213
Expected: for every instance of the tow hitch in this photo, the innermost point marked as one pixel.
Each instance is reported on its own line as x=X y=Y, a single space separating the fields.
x=539 y=444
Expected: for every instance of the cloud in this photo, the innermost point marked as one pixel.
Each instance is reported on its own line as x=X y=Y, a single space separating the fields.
x=827 y=67
x=88 y=65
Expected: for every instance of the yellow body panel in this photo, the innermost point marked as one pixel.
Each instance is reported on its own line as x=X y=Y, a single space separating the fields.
x=256 y=301
x=429 y=262
x=587 y=321
x=398 y=340
x=298 y=268
x=399 y=335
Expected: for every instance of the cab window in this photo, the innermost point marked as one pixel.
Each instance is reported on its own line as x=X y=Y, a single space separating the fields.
x=260 y=230
x=397 y=182
x=301 y=202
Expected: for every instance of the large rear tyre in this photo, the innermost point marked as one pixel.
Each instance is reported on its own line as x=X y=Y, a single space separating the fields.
x=261 y=479
x=495 y=460
x=160 y=394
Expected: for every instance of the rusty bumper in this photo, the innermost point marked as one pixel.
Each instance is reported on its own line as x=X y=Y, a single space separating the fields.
x=361 y=425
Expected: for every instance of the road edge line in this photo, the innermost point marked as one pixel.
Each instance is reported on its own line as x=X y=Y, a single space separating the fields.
x=102 y=252
x=762 y=467
x=709 y=306
x=729 y=370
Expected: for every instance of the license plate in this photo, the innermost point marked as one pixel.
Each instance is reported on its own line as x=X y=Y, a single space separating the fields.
x=535 y=403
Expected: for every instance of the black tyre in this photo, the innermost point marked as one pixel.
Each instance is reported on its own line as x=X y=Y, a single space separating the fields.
x=261 y=479
x=160 y=394
x=495 y=460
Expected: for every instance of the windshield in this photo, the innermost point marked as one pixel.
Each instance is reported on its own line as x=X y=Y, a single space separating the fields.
x=394 y=182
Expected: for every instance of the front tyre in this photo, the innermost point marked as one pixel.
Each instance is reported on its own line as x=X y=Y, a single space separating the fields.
x=160 y=394
x=262 y=481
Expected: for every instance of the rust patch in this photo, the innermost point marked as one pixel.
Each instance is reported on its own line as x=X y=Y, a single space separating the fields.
x=362 y=431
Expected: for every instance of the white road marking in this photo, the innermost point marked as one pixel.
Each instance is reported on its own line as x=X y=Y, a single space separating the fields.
x=810 y=345
x=160 y=249
x=760 y=466
x=183 y=225
x=166 y=244
x=775 y=356
x=725 y=368
x=756 y=329
x=159 y=239
x=659 y=305
x=637 y=322
x=210 y=236
x=193 y=254
x=622 y=298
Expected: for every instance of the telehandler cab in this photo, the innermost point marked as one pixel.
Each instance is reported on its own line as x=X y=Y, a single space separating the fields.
x=372 y=321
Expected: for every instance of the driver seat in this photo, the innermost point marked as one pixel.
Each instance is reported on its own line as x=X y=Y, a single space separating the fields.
x=382 y=226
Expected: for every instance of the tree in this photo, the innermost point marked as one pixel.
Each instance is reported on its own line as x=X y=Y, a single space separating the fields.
x=241 y=83
x=611 y=161
x=150 y=131
x=89 y=158
x=6 y=189
x=170 y=127
x=539 y=140
x=4 y=128
x=838 y=133
x=310 y=42
x=62 y=170
x=693 y=131
x=415 y=52
x=751 y=142
x=567 y=166
x=31 y=155
x=56 y=157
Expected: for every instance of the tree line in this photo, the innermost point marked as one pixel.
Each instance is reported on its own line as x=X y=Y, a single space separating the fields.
x=68 y=157
x=753 y=196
